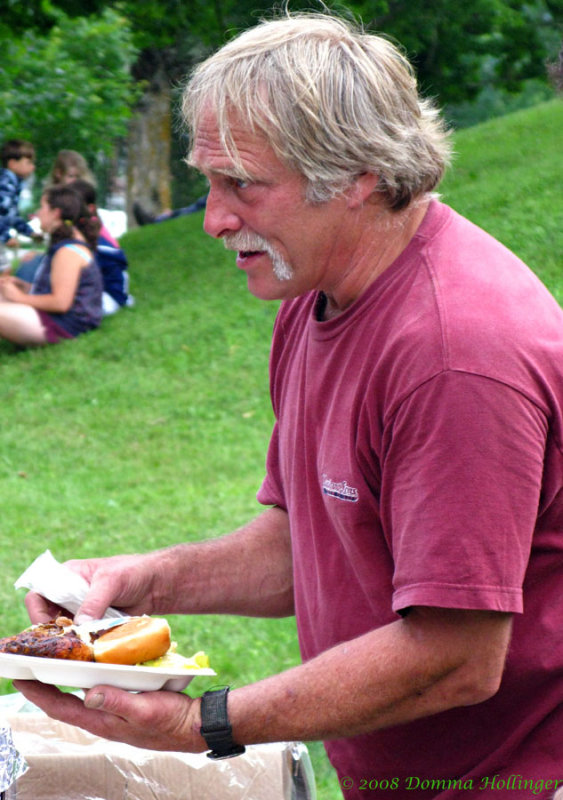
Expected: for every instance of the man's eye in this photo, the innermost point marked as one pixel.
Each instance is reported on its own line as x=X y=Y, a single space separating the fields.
x=240 y=183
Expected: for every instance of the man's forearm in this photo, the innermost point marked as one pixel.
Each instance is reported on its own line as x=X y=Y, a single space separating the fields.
x=248 y=572
x=434 y=660
x=409 y=669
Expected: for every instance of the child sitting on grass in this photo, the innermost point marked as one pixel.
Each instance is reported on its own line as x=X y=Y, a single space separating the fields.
x=65 y=298
x=69 y=165
x=18 y=163
x=111 y=259
x=109 y=255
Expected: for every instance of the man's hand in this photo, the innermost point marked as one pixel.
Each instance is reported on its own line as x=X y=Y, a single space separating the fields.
x=42 y=610
x=154 y=720
x=125 y=582
x=248 y=572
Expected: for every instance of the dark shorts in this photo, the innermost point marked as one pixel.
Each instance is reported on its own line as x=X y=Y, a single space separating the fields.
x=53 y=332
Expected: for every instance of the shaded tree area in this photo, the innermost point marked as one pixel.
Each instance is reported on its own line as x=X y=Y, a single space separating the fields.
x=41 y=15
x=457 y=49
x=146 y=50
x=456 y=46
x=66 y=82
x=172 y=36
x=478 y=60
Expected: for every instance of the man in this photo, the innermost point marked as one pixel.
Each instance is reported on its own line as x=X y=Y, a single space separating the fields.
x=414 y=475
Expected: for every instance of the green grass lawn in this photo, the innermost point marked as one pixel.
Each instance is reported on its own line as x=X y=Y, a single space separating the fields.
x=154 y=429
x=508 y=178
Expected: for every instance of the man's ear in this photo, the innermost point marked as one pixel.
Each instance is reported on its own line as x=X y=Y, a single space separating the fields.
x=362 y=188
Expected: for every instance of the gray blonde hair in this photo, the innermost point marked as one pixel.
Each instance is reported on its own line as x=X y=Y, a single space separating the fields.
x=333 y=101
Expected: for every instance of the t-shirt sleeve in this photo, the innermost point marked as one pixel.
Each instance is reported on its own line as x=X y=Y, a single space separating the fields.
x=460 y=491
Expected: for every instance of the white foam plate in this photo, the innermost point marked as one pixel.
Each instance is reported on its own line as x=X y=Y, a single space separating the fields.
x=85 y=674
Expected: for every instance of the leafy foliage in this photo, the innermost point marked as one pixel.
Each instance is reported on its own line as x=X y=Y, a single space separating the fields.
x=41 y=15
x=72 y=71
x=70 y=89
x=457 y=48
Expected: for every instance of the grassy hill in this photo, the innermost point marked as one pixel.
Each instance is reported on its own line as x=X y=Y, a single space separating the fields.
x=508 y=178
x=154 y=428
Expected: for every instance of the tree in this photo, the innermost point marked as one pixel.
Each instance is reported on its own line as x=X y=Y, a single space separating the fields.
x=71 y=88
x=41 y=15
x=457 y=48
x=171 y=36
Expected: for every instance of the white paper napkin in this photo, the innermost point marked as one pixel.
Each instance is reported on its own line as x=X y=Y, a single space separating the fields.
x=50 y=578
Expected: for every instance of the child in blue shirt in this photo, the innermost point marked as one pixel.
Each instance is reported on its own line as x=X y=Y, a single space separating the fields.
x=110 y=257
x=18 y=163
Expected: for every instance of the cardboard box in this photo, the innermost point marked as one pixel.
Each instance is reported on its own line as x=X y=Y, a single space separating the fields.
x=67 y=763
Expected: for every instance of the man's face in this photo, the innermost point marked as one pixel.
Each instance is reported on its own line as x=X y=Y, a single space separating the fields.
x=285 y=245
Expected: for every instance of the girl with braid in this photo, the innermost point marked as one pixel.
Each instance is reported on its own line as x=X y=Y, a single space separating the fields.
x=65 y=298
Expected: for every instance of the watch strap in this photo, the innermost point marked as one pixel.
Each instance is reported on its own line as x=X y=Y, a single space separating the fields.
x=215 y=726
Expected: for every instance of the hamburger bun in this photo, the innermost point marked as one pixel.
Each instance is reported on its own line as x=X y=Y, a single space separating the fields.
x=137 y=640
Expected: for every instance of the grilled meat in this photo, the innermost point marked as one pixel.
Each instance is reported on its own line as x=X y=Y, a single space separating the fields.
x=55 y=639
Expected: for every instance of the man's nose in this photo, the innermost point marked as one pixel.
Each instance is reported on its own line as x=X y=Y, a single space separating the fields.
x=219 y=219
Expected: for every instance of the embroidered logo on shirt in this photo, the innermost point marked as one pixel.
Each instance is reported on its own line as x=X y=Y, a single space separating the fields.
x=340 y=490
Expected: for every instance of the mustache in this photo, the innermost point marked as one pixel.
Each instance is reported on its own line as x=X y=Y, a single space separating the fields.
x=245 y=242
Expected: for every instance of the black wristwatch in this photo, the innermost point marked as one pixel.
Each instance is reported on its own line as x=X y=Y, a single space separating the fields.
x=215 y=726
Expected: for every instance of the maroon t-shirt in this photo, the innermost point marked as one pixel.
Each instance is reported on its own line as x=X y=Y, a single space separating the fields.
x=417 y=450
